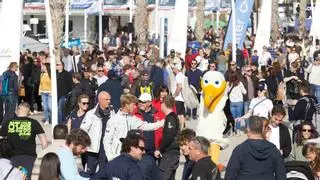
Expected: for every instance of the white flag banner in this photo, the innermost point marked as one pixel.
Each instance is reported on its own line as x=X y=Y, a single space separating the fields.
x=81 y=4
x=264 y=26
x=178 y=36
x=94 y=9
x=10 y=34
x=315 y=26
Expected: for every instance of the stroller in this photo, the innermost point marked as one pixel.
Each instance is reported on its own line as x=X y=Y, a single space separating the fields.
x=298 y=170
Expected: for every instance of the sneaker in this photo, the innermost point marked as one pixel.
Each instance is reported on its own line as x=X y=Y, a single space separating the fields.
x=46 y=123
x=31 y=113
x=35 y=112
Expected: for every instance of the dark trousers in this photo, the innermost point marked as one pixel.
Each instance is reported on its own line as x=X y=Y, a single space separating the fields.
x=10 y=103
x=168 y=166
x=26 y=161
x=61 y=117
x=30 y=96
x=93 y=160
x=1 y=109
x=37 y=98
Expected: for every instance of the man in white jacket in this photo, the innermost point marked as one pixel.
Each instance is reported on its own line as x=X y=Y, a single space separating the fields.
x=119 y=125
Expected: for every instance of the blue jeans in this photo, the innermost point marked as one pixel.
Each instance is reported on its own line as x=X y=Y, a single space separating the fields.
x=236 y=111
x=46 y=100
x=10 y=103
x=61 y=102
x=316 y=91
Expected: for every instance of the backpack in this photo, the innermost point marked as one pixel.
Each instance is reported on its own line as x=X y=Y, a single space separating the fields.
x=4 y=80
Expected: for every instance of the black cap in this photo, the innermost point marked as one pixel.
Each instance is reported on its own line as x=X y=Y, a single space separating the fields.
x=111 y=74
x=172 y=51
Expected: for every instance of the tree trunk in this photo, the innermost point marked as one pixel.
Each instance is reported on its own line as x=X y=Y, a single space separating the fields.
x=141 y=24
x=57 y=8
x=275 y=21
x=199 y=29
x=302 y=18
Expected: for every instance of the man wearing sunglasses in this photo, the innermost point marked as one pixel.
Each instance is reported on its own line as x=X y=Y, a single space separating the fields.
x=132 y=150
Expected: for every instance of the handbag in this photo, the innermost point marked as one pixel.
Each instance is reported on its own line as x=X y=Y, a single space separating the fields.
x=22 y=91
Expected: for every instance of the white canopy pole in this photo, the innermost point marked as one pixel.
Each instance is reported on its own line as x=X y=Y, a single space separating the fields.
x=100 y=24
x=85 y=26
x=157 y=19
x=234 y=48
x=66 y=37
x=54 y=96
x=130 y=18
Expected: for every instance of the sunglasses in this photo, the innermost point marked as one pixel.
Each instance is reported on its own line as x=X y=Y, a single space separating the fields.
x=307 y=130
x=193 y=63
x=100 y=70
x=232 y=64
x=85 y=103
x=213 y=66
x=141 y=148
x=142 y=102
x=58 y=64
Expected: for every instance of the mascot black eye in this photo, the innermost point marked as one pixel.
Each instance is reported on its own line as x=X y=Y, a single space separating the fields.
x=206 y=81
x=216 y=82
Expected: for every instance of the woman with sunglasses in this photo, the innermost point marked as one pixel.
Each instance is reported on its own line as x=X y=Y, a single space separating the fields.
x=76 y=116
x=307 y=131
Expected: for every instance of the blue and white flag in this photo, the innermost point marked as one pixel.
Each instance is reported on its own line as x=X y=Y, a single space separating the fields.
x=81 y=4
x=243 y=11
x=95 y=8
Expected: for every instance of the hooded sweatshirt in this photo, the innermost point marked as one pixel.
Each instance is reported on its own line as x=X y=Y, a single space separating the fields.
x=255 y=159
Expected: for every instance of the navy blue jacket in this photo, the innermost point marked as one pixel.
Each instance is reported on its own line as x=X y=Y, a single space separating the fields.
x=123 y=167
x=194 y=77
x=255 y=159
x=114 y=88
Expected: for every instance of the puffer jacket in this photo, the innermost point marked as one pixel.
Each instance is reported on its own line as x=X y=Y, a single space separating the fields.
x=92 y=124
x=118 y=127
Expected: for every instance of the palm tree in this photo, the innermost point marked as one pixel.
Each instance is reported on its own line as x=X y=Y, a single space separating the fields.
x=275 y=20
x=141 y=24
x=57 y=8
x=302 y=18
x=200 y=30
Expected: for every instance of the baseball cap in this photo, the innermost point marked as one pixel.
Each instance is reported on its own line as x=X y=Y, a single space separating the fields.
x=145 y=97
x=262 y=86
x=172 y=51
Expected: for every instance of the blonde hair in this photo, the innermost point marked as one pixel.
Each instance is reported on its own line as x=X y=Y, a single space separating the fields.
x=126 y=99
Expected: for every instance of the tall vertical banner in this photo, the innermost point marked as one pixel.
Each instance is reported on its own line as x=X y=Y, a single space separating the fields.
x=264 y=26
x=243 y=11
x=178 y=30
x=11 y=32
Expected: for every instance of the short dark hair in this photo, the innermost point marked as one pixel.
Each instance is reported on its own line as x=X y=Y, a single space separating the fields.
x=77 y=76
x=185 y=136
x=305 y=87
x=131 y=140
x=201 y=143
x=278 y=109
x=78 y=137
x=255 y=124
x=60 y=131
x=126 y=67
x=169 y=101
x=6 y=149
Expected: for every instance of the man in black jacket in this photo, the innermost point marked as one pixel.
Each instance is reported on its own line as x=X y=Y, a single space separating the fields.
x=90 y=85
x=280 y=136
x=169 y=149
x=255 y=158
x=64 y=86
x=204 y=168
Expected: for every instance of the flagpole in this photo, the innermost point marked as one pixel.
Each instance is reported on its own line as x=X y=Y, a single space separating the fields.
x=85 y=26
x=130 y=18
x=217 y=22
x=100 y=24
x=66 y=37
x=313 y=34
x=54 y=96
x=233 y=14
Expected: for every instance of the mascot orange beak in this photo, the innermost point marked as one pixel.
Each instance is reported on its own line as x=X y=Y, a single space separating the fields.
x=212 y=95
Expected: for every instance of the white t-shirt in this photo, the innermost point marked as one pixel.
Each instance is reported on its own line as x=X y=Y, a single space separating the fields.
x=263 y=108
x=263 y=58
x=236 y=95
x=275 y=136
x=179 y=79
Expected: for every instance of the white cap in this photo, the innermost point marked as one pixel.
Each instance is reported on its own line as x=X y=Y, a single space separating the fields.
x=144 y=97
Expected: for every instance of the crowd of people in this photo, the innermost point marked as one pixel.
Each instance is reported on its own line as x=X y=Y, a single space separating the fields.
x=123 y=111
